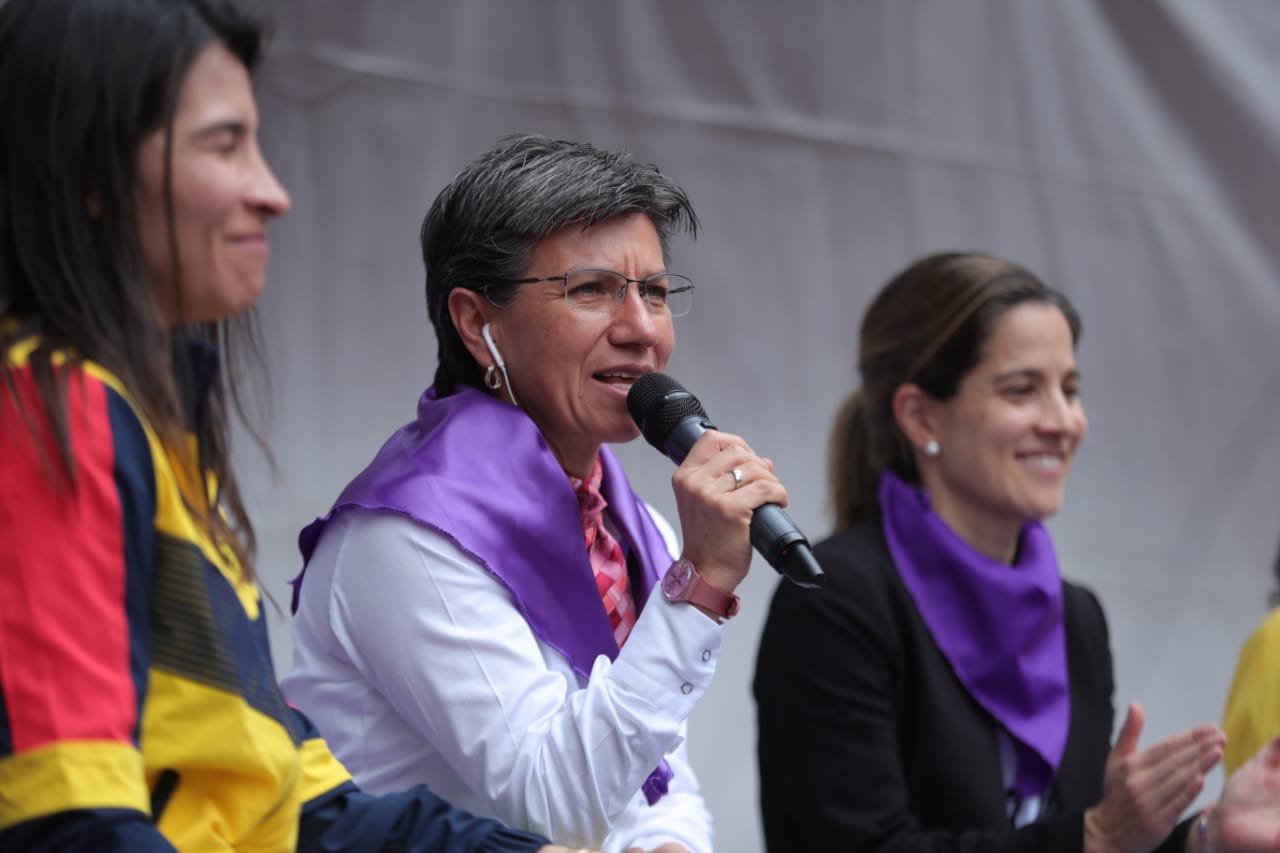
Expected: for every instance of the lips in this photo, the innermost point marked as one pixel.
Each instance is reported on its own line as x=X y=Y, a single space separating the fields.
x=621 y=382
x=253 y=242
x=620 y=379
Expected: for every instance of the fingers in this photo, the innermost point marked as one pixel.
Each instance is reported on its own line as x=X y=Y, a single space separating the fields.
x=1147 y=791
x=1205 y=741
x=712 y=442
x=1177 y=805
x=1176 y=761
x=752 y=476
x=1175 y=792
x=717 y=488
x=710 y=469
x=1269 y=755
x=1130 y=731
x=1247 y=815
x=1163 y=780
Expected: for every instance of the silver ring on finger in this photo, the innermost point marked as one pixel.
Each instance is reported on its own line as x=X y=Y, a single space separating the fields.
x=736 y=473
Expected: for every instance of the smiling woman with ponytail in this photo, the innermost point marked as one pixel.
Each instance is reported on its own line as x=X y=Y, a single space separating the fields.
x=963 y=699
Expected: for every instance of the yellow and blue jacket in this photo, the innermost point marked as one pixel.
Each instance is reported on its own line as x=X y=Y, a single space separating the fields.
x=139 y=708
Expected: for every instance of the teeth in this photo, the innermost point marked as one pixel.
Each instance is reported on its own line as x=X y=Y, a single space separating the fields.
x=1044 y=460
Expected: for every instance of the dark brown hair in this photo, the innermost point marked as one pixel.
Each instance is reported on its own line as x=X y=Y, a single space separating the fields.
x=82 y=82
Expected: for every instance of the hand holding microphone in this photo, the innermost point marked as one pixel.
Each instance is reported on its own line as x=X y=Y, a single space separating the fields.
x=672 y=420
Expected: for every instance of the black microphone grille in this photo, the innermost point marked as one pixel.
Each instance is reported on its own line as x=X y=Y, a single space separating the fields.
x=657 y=403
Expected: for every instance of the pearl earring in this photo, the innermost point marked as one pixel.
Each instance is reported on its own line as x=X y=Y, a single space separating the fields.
x=931 y=448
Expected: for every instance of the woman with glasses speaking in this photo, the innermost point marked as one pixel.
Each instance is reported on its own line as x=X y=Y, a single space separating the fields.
x=480 y=608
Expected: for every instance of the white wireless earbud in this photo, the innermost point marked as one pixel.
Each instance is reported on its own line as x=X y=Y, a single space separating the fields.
x=493 y=348
x=497 y=361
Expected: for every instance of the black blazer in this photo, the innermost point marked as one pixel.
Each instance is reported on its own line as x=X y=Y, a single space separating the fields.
x=868 y=741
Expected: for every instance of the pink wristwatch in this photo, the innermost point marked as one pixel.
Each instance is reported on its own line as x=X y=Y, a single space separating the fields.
x=683 y=583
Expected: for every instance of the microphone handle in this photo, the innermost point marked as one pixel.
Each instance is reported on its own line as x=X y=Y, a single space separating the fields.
x=684 y=436
x=781 y=543
x=773 y=534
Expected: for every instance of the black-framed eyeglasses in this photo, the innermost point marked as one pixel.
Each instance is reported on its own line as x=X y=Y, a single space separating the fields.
x=601 y=291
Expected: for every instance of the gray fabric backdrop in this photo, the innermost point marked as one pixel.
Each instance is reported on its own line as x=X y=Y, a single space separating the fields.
x=1125 y=149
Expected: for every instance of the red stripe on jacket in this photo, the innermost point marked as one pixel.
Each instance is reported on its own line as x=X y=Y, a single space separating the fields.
x=64 y=633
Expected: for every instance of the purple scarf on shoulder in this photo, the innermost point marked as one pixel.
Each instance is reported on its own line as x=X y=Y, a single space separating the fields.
x=999 y=626
x=477 y=471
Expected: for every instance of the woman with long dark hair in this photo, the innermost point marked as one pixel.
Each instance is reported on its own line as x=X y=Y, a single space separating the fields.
x=138 y=705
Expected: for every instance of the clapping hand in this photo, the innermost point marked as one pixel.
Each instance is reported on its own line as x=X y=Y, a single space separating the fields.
x=1246 y=818
x=1144 y=793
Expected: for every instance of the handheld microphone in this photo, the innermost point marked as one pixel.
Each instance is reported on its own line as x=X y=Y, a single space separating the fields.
x=672 y=419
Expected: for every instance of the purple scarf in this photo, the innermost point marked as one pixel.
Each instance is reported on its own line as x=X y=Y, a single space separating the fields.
x=999 y=626
x=477 y=471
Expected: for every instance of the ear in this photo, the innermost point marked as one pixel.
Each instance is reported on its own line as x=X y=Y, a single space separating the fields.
x=469 y=311
x=913 y=412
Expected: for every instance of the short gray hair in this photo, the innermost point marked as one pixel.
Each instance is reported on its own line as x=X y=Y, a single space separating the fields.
x=482 y=228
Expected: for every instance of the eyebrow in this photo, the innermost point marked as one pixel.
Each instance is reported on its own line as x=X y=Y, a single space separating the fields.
x=1032 y=373
x=239 y=127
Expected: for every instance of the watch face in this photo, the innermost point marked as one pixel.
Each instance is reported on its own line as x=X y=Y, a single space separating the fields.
x=677 y=579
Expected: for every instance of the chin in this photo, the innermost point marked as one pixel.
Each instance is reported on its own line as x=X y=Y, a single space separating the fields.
x=1041 y=510
x=621 y=434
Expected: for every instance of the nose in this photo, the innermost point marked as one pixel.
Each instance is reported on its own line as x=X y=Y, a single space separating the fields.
x=633 y=322
x=266 y=193
x=1062 y=413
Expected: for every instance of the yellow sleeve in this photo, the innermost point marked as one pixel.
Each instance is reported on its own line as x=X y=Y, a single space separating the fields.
x=1252 y=716
x=320 y=772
